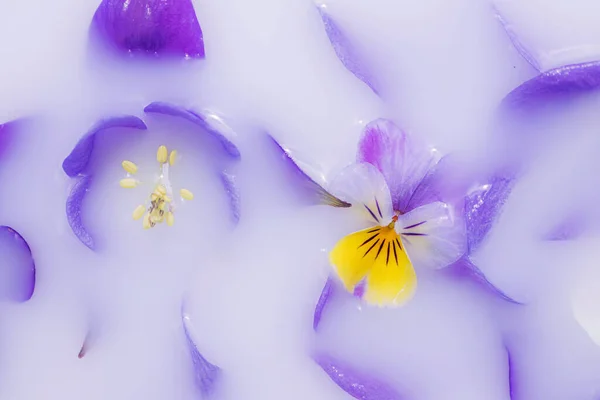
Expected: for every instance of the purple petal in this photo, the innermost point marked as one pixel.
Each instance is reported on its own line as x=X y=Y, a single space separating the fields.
x=307 y=189
x=74 y=204
x=555 y=84
x=208 y=122
x=464 y=268
x=518 y=45
x=326 y=293
x=158 y=27
x=77 y=161
x=18 y=266
x=401 y=159
x=512 y=381
x=347 y=52
x=354 y=382
x=483 y=206
x=233 y=194
x=205 y=373
x=7 y=133
x=570 y=228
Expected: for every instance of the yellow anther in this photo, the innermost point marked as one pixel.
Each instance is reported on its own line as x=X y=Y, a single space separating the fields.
x=154 y=197
x=146 y=222
x=128 y=183
x=186 y=194
x=172 y=157
x=129 y=166
x=167 y=199
x=170 y=218
x=160 y=190
x=139 y=212
x=162 y=154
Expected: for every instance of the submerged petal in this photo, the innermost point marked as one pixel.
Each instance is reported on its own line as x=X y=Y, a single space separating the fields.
x=233 y=194
x=432 y=235
x=516 y=42
x=377 y=254
x=483 y=206
x=555 y=84
x=150 y=26
x=363 y=186
x=18 y=266
x=305 y=187
x=74 y=208
x=346 y=51
x=357 y=384
x=206 y=374
x=208 y=121
x=400 y=158
x=77 y=161
x=326 y=293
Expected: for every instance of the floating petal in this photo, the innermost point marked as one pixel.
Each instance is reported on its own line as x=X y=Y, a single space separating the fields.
x=326 y=293
x=356 y=383
x=347 y=52
x=378 y=255
x=161 y=27
x=208 y=121
x=464 y=268
x=432 y=235
x=306 y=187
x=17 y=266
x=400 y=158
x=206 y=374
x=74 y=206
x=518 y=45
x=555 y=84
x=7 y=132
x=233 y=194
x=363 y=186
x=77 y=161
x=483 y=206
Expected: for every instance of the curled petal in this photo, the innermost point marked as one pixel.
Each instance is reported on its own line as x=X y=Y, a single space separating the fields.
x=159 y=27
x=77 y=161
x=356 y=383
x=483 y=206
x=326 y=293
x=208 y=121
x=206 y=374
x=363 y=186
x=555 y=84
x=74 y=205
x=307 y=189
x=464 y=268
x=517 y=43
x=18 y=266
x=400 y=158
x=433 y=237
x=346 y=51
x=233 y=194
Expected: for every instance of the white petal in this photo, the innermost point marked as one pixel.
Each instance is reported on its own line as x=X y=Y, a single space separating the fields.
x=363 y=186
x=432 y=236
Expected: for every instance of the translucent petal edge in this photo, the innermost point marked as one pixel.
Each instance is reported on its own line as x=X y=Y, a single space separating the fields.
x=25 y=284
x=346 y=51
x=74 y=209
x=306 y=187
x=208 y=121
x=516 y=42
x=78 y=159
x=326 y=293
x=356 y=383
x=206 y=374
x=233 y=195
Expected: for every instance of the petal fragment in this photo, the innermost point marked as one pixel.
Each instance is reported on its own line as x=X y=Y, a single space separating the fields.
x=17 y=266
x=77 y=161
x=326 y=293
x=206 y=374
x=402 y=160
x=73 y=208
x=377 y=254
x=305 y=187
x=167 y=27
x=233 y=194
x=433 y=237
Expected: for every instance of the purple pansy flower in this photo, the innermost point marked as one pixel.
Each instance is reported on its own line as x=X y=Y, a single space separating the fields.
x=157 y=27
x=18 y=266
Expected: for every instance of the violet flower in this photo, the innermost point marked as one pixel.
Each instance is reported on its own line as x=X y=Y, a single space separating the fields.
x=161 y=200
x=18 y=265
